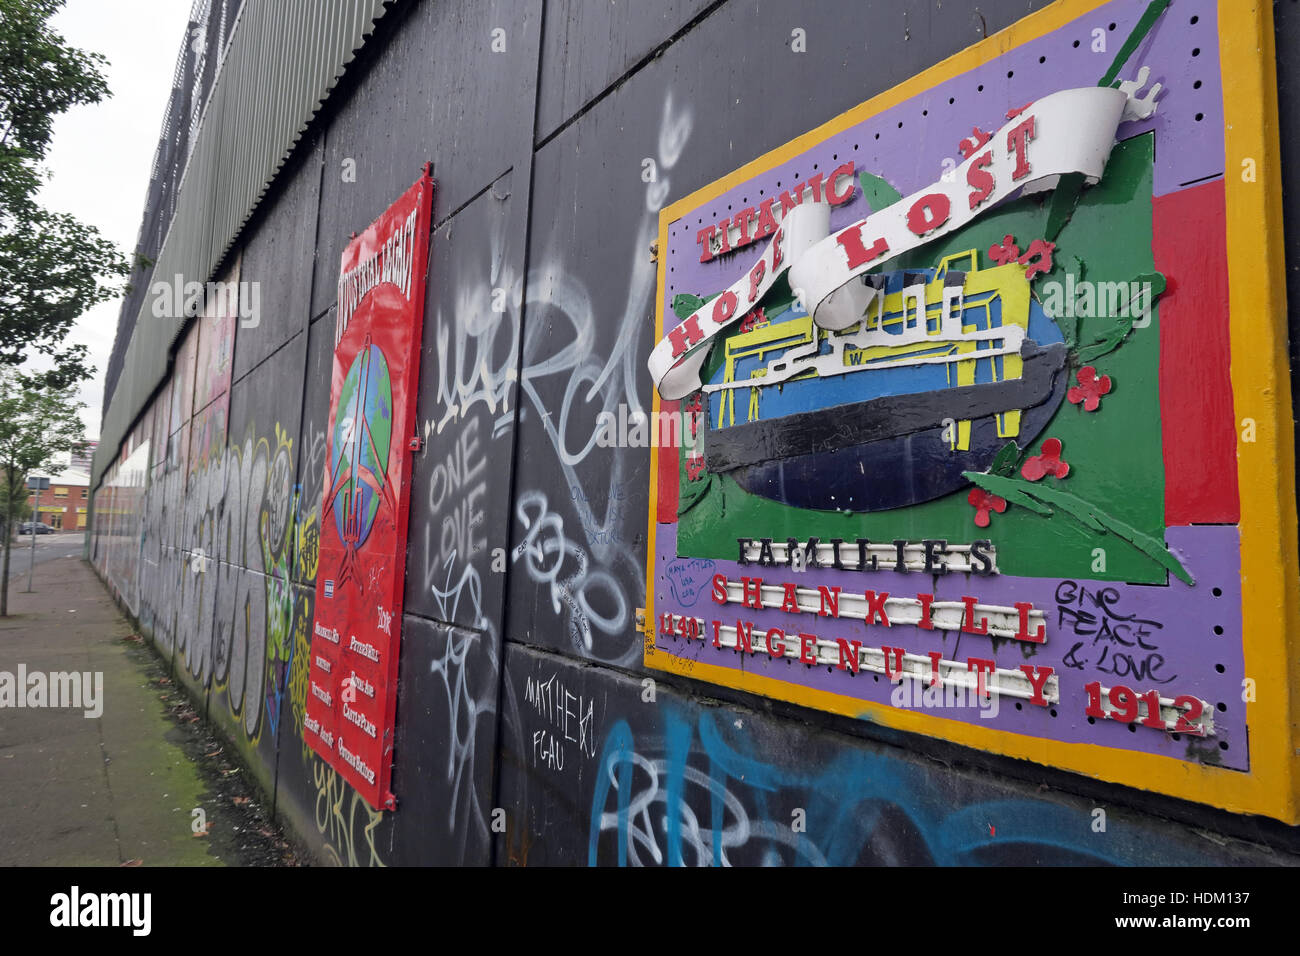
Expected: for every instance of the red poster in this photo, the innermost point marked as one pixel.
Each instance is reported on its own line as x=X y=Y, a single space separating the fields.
x=356 y=634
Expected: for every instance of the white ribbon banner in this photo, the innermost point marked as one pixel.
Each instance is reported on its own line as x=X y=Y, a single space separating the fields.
x=1067 y=132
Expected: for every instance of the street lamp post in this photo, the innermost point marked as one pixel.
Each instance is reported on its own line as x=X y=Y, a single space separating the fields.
x=37 y=485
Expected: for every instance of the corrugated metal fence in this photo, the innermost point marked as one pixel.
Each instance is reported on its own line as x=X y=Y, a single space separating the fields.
x=249 y=78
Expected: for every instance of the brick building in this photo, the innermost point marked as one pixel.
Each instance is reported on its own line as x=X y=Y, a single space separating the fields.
x=63 y=505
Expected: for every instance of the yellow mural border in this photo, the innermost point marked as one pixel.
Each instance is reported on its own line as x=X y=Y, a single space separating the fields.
x=1270 y=568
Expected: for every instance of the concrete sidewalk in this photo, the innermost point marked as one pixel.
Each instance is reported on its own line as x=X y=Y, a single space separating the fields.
x=99 y=791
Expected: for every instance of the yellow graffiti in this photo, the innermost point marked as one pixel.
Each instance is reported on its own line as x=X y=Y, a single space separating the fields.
x=339 y=826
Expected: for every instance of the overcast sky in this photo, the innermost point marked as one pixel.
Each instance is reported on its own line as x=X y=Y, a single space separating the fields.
x=100 y=158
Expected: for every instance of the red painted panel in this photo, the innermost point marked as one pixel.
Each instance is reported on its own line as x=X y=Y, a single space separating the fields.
x=666 y=508
x=356 y=633
x=1196 y=411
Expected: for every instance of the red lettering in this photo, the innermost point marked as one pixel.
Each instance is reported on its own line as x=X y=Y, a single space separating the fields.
x=791 y=602
x=789 y=201
x=776 y=648
x=1018 y=142
x=724 y=235
x=1037 y=679
x=704 y=238
x=724 y=307
x=816 y=183
x=745 y=637
x=835 y=198
x=896 y=672
x=980 y=179
x=776 y=250
x=807 y=648
x=968 y=622
x=685 y=336
x=876 y=606
x=850 y=240
x=830 y=598
x=928 y=213
x=766 y=221
x=756 y=278
x=1039 y=636
x=742 y=221
x=925 y=623
x=720 y=588
x=935 y=657
x=717 y=634
x=981 y=666
x=751 y=597
x=850 y=654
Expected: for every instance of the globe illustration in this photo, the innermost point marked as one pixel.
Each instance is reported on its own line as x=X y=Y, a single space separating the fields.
x=363 y=431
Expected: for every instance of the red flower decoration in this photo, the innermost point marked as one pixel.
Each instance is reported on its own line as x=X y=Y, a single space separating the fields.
x=1037 y=258
x=984 y=502
x=1048 y=463
x=694 y=465
x=1090 y=389
x=1004 y=252
x=972 y=143
x=1043 y=250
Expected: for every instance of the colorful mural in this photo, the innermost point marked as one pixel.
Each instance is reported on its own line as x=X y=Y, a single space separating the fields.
x=922 y=558
x=935 y=458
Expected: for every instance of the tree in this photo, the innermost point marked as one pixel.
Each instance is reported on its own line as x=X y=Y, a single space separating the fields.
x=36 y=423
x=52 y=267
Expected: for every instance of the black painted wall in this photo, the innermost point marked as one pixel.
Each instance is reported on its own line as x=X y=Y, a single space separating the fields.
x=525 y=730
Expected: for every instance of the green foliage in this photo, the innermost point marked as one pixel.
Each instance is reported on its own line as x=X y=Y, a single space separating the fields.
x=52 y=267
x=1005 y=461
x=1113 y=337
x=1042 y=499
x=36 y=424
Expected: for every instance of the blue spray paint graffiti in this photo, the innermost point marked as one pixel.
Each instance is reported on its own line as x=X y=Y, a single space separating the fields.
x=859 y=806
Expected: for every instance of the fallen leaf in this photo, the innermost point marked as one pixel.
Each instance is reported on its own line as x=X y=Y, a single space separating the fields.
x=131 y=863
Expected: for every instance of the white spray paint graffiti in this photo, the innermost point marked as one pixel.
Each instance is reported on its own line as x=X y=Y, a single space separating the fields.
x=648 y=805
x=594 y=576
x=205 y=538
x=597 y=381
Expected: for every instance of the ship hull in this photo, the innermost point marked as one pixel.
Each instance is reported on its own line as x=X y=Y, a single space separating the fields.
x=889 y=451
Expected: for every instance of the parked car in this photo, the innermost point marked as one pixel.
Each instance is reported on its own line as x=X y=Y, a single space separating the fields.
x=41 y=528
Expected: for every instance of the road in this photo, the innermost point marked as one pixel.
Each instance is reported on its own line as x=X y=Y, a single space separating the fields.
x=49 y=547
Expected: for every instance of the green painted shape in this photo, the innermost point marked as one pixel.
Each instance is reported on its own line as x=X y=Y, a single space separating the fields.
x=1060 y=207
x=1113 y=337
x=1005 y=461
x=1114 y=453
x=685 y=305
x=1040 y=498
x=878 y=193
x=1132 y=41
